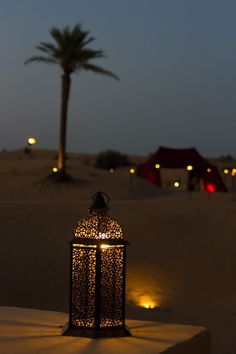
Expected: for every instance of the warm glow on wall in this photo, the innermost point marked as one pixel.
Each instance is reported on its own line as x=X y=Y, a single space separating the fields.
x=147 y=302
x=144 y=291
x=209 y=170
x=189 y=168
x=157 y=166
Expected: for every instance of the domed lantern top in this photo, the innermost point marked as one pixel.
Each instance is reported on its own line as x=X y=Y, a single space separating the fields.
x=98 y=225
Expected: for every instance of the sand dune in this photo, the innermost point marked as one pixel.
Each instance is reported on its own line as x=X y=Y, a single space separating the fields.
x=182 y=254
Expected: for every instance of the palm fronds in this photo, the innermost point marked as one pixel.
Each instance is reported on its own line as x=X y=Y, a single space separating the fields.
x=70 y=51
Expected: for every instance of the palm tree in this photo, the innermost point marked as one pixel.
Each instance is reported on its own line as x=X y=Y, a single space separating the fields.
x=71 y=53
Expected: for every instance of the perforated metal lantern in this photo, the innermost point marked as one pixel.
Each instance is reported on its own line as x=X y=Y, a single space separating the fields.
x=98 y=263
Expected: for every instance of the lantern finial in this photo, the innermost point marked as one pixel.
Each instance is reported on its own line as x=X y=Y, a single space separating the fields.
x=99 y=201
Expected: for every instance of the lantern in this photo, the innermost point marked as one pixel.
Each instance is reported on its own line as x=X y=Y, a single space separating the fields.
x=97 y=275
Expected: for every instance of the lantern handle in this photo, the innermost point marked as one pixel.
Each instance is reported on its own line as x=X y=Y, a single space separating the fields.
x=100 y=201
x=104 y=195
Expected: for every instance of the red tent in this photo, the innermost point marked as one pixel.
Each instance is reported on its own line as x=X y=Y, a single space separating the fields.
x=181 y=158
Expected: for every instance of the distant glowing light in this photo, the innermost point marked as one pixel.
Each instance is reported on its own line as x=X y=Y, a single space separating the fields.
x=147 y=302
x=55 y=169
x=31 y=141
x=209 y=170
x=111 y=170
x=233 y=173
x=157 y=165
x=132 y=171
x=176 y=184
x=189 y=168
x=226 y=171
x=210 y=188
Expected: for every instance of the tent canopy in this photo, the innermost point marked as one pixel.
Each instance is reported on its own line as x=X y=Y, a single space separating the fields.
x=181 y=158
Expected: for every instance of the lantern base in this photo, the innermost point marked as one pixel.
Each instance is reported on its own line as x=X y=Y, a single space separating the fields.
x=95 y=332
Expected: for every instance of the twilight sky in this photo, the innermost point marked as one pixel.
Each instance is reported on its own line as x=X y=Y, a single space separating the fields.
x=177 y=64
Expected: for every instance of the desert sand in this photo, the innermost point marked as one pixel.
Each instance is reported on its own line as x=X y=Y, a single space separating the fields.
x=181 y=258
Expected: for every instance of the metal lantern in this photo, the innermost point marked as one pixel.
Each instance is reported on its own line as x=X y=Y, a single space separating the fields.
x=97 y=276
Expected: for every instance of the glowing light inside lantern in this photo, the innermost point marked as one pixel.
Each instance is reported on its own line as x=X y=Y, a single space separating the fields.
x=147 y=302
x=157 y=166
x=103 y=246
x=31 y=141
x=176 y=184
x=84 y=246
x=189 y=168
x=209 y=170
x=226 y=171
x=102 y=235
x=132 y=171
x=210 y=188
x=55 y=169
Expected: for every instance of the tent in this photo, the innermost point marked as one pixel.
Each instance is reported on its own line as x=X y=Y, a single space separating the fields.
x=201 y=171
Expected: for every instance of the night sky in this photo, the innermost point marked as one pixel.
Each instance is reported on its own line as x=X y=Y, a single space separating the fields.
x=177 y=64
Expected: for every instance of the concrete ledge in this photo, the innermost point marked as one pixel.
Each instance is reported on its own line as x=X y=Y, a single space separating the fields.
x=200 y=343
x=26 y=331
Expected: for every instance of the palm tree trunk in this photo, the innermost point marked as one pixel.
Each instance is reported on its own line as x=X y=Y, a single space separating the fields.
x=65 y=93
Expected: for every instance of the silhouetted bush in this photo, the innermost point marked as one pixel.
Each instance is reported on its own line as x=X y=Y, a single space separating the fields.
x=226 y=158
x=111 y=159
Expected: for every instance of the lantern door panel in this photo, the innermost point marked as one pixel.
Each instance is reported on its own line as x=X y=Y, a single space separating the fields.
x=106 y=310
x=112 y=286
x=83 y=286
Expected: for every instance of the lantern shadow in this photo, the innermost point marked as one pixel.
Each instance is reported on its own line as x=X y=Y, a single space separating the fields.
x=22 y=324
x=22 y=338
x=140 y=326
x=155 y=340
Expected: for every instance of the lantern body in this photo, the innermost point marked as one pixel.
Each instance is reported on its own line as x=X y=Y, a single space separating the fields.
x=97 y=290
